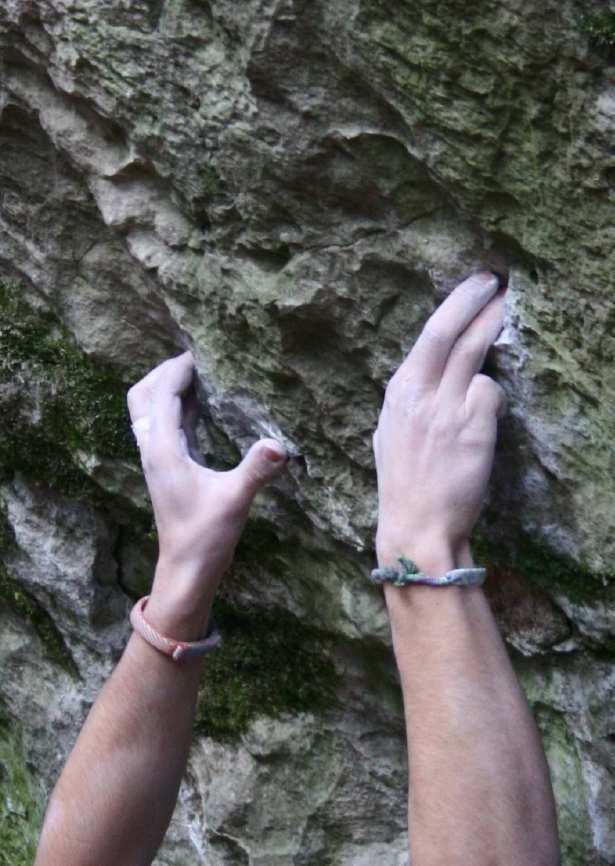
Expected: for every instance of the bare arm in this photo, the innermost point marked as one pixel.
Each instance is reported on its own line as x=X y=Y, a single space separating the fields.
x=479 y=790
x=116 y=794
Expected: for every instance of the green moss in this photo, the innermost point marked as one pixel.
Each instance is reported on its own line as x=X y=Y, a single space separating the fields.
x=599 y=24
x=21 y=801
x=260 y=543
x=25 y=606
x=568 y=786
x=35 y=454
x=550 y=571
x=82 y=402
x=211 y=182
x=268 y=664
x=602 y=649
x=136 y=549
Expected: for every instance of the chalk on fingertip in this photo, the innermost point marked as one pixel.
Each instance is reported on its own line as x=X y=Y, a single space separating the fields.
x=141 y=425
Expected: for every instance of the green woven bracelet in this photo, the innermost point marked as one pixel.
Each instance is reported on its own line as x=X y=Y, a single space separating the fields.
x=408 y=573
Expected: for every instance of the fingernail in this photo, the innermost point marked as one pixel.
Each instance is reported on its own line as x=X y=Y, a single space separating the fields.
x=491 y=282
x=274 y=456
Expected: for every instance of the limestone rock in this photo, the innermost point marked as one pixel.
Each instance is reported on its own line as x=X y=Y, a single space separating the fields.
x=288 y=189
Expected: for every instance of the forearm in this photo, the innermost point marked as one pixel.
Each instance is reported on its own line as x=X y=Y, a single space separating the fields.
x=116 y=794
x=480 y=791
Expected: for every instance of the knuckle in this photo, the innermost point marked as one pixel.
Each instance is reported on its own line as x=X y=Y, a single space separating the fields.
x=479 y=435
x=487 y=393
x=434 y=333
x=469 y=347
x=375 y=442
x=484 y=384
x=440 y=424
x=137 y=399
x=417 y=399
x=131 y=396
x=402 y=384
x=391 y=394
x=404 y=392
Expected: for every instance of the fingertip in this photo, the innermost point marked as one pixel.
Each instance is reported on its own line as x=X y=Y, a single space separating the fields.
x=491 y=280
x=274 y=451
x=495 y=306
x=263 y=461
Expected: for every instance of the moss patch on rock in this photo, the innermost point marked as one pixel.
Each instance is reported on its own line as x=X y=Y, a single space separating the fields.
x=80 y=403
x=25 y=606
x=568 y=785
x=553 y=572
x=21 y=800
x=212 y=183
x=599 y=24
x=269 y=663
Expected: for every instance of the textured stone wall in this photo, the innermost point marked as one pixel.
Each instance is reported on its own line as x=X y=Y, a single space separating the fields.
x=288 y=188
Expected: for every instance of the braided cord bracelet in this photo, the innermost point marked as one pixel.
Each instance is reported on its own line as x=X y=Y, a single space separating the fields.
x=408 y=573
x=176 y=649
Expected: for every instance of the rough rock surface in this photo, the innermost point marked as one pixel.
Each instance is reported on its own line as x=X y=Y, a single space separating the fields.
x=288 y=188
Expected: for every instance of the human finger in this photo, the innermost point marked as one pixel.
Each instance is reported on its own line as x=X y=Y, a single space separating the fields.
x=263 y=461
x=425 y=363
x=139 y=398
x=468 y=354
x=139 y=395
x=485 y=397
x=166 y=406
x=375 y=445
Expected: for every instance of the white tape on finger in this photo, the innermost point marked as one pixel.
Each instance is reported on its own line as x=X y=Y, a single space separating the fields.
x=140 y=426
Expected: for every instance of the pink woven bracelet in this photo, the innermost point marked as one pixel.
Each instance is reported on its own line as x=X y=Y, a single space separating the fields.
x=177 y=649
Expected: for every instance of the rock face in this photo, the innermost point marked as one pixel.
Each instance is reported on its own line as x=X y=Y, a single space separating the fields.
x=288 y=188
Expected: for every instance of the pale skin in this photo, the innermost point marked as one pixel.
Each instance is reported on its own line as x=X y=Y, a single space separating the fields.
x=479 y=788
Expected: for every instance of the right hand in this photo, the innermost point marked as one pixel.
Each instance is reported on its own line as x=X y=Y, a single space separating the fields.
x=436 y=433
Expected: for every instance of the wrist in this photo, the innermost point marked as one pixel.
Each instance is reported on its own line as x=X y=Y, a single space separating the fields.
x=180 y=600
x=434 y=557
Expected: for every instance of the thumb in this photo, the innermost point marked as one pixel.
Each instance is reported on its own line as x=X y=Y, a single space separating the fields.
x=265 y=459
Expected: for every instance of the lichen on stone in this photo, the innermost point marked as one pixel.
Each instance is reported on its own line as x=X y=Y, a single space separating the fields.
x=569 y=785
x=268 y=664
x=23 y=604
x=22 y=798
x=546 y=568
x=599 y=24
x=55 y=401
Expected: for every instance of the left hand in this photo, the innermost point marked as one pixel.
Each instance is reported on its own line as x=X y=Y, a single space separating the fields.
x=199 y=512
